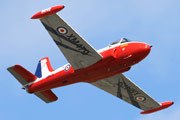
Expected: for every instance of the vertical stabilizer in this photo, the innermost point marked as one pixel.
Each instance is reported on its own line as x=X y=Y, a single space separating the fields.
x=44 y=68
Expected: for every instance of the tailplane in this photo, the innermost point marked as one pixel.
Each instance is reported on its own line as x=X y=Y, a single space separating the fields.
x=26 y=78
x=21 y=74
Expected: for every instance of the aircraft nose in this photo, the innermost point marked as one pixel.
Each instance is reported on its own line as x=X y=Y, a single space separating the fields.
x=145 y=49
x=141 y=51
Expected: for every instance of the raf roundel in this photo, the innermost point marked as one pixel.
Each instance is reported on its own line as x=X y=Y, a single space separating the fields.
x=62 y=30
x=67 y=67
x=140 y=98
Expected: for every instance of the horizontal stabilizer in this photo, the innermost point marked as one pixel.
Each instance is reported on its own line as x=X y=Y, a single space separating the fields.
x=163 y=106
x=21 y=74
x=47 y=96
x=25 y=77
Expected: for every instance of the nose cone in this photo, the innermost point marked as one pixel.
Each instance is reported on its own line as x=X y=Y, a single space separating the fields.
x=146 y=49
x=142 y=50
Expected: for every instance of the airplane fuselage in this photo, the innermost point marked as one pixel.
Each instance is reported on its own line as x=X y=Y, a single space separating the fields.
x=116 y=59
x=101 y=68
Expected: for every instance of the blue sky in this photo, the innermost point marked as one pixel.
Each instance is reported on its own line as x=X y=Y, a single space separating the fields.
x=25 y=41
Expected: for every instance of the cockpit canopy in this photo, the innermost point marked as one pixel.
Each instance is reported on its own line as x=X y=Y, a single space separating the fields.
x=122 y=40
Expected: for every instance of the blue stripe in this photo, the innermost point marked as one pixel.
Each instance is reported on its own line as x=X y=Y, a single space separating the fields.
x=38 y=70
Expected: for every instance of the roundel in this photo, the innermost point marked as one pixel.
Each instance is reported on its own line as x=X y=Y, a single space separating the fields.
x=140 y=98
x=62 y=30
x=67 y=67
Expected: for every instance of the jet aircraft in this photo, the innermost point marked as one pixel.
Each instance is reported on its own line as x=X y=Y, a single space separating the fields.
x=102 y=68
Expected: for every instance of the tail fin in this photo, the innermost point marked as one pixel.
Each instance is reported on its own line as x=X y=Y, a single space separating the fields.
x=44 y=68
x=25 y=77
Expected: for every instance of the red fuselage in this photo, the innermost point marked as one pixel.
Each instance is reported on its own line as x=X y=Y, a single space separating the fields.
x=116 y=59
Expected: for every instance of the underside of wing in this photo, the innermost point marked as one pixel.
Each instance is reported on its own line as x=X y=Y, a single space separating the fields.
x=77 y=51
x=125 y=89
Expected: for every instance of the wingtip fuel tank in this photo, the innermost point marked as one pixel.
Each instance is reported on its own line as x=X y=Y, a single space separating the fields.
x=47 y=12
x=163 y=106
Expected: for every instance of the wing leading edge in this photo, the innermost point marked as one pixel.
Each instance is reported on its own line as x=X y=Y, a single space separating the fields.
x=121 y=87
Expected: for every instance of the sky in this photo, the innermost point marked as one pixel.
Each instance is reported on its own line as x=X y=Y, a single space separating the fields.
x=99 y=22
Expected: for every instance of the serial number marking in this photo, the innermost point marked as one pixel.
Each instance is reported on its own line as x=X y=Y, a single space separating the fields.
x=128 y=88
x=78 y=45
x=74 y=40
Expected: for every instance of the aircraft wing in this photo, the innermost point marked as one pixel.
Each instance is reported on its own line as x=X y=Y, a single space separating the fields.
x=76 y=50
x=121 y=87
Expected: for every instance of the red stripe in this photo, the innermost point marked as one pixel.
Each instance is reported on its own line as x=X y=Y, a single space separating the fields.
x=48 y=64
